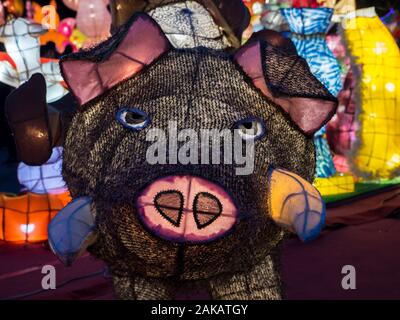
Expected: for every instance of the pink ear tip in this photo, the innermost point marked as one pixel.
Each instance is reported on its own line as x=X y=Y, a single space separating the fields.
x=137 y=44
x=268 y=59
x=275 y=39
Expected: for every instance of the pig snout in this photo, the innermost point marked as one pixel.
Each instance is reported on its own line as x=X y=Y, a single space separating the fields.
x=188 y=209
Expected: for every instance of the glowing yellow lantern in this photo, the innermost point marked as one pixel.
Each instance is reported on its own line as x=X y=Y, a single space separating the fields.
x=338 y=184
x=377 y=155
x=25 y=218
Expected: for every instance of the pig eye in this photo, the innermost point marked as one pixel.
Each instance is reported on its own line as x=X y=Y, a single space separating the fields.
x=250 y=128
x=133 y=119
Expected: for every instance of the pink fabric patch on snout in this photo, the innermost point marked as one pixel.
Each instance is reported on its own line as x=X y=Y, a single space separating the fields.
x=186 y=209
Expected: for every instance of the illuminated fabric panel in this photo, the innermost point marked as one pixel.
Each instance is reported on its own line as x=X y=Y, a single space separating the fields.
x=308 y=27
x=335 y=185
x=46 y=178
x=377 y=155
x=20 y=39
x=71 y=229
x=295 y=204
x=25 y=218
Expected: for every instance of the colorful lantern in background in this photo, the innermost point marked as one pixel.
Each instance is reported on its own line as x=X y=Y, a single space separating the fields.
x=92 y=19
x=66 y=26
x=272 y=18
x=305 y=4
x=342 y=9
x=77 y=38
x=255 y=8
x=72 y=4
x=25 y=218
x=46 y=178
x=308 y=27
x=60 y=32
x=14 y=7
x=313 y=3
x=327 y=3
x=377 y=155
x=392 y=21
x=29 y=12
x=337 y=47
x=46 y=15
x=341 y=130
x=2 y=14
x=20 y=38
x=335 y=185
x=265 y=15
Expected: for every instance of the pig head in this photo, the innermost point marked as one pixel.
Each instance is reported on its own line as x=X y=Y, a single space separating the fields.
x=191 y=220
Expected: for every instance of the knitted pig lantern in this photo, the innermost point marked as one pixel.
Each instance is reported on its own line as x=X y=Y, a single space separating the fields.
x=158 y=226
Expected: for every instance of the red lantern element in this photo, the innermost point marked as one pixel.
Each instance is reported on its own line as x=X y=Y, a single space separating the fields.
x=306 y=4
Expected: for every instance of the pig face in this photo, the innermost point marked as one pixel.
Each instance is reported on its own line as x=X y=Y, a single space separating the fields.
x=174 y=218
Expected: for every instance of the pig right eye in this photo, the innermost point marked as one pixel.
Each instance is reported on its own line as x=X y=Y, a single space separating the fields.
x=250 y=128
x=133 y=118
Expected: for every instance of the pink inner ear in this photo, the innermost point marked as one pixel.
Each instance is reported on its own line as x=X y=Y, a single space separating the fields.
x=82 y=79
x=143 y=44
x=309 y=114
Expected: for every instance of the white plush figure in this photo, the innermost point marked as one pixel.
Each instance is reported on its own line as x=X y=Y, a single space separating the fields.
x=2 y=16
x=20 y=38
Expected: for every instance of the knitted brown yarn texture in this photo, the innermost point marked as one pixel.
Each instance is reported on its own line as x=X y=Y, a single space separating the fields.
x=199 y=89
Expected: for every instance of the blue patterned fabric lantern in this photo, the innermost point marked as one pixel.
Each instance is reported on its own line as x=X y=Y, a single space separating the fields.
x=308 y=27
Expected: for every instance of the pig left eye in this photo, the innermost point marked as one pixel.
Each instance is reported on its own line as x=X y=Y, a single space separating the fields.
x=250 y=128
x=133 y=118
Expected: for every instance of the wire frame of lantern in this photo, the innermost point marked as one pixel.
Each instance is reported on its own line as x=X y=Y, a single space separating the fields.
x=377 y=153
x=308 y=27
x=46 y=178
x=338 y=184
x=20 y=38
x=25 y=218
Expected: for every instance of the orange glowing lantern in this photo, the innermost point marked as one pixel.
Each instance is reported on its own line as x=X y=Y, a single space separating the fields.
x=14 y=7
x=25 y=218
x=48 y=16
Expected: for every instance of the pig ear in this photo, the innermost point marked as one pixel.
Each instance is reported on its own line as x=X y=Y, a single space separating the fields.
x=137 y=44
x=285 y=78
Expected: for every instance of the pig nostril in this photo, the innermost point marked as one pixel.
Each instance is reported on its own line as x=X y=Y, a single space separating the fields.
x=206 y=209
x=170 y=205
